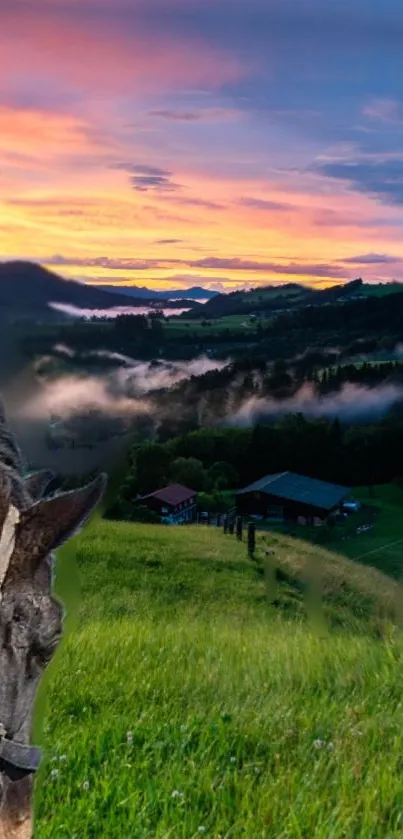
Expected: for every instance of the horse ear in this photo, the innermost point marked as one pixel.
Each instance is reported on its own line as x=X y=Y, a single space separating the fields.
x=49 y=523
x=37 y=483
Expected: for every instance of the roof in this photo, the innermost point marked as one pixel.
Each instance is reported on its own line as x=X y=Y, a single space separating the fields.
x=294 y=487
x=173 y=494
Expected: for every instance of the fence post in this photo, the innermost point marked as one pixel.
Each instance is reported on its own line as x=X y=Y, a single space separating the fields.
x=218 y=519
x=225 y=524
x=231 y=525
x=208 y=518
x=239 y=528
x=251 y=540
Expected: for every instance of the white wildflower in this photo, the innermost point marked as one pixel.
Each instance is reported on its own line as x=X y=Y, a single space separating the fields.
x=86 y=785
x=54 y=774
x=177 y=794
x=129 y=737
x=318 y=744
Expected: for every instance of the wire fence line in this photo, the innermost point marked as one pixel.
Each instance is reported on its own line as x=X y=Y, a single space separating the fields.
x=376 y=550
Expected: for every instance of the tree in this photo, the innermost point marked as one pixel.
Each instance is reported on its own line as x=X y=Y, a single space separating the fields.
x=131 y=324
x=223 y=475
x=152 y=467
x=191 y=473
x=216 y=502
x=141 y=513
x=280 y=378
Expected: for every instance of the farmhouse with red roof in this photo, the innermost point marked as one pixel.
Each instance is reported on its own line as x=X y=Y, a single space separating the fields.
x=174 y=503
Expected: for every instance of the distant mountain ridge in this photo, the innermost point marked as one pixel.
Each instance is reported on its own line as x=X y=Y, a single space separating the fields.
x=142 y=292
x=27 y=289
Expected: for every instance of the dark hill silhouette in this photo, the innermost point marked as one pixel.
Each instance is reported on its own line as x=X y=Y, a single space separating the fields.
x=26 y=289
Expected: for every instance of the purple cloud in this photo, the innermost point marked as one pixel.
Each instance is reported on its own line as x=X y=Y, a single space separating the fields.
x=169 y=241
x=104 y=262
x=204 y=115
x=381 y=179
x=236 y=264
x=144 y=178
x=373 y=259
x=176 y=116
x=331 y=270
x=264 y=204
x=199 y=202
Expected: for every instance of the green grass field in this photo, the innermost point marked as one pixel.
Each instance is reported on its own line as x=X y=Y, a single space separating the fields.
x=182 y=702
x=382 y=546
x=381 y=289
x=239 y=324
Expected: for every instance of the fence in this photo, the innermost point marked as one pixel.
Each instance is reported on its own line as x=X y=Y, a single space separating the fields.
x=232 y=524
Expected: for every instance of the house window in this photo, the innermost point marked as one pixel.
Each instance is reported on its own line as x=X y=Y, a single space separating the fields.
x=164 y=509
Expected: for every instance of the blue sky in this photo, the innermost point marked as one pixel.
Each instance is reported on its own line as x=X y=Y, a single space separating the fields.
x=194 y=138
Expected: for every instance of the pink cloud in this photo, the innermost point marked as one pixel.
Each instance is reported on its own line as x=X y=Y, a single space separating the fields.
x=34 y=130
x=100 y=54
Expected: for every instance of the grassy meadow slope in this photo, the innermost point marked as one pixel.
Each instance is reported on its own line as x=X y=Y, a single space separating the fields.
x=191 y=699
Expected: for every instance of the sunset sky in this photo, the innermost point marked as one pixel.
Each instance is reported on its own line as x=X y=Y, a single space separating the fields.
x=227 y=143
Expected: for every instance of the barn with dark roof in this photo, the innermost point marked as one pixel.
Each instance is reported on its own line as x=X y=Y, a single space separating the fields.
x=287 y=496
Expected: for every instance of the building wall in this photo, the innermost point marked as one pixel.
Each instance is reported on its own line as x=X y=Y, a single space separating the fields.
x=275 y=508
x=185 y=512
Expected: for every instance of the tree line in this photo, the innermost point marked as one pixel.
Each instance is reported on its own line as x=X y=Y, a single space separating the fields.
x=210 y=459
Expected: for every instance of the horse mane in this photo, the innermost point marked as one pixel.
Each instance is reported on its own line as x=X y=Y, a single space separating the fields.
x=12 y=462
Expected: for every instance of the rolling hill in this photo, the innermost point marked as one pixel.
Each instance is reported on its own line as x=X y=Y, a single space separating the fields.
x=26 y=289
x=204 y=703
x=276 y=298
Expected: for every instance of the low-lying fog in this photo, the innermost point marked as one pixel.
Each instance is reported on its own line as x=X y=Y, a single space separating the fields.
x=352 y=403
x=76 y=312
x=137 y=389
x=130 y=389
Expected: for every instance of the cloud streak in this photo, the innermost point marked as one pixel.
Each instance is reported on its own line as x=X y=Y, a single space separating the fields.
x=373 y=259
x=332 y=270
x=382 y=180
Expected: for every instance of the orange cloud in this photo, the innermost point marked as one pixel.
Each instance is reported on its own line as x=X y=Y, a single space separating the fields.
x=273 y=238
x=37 y=134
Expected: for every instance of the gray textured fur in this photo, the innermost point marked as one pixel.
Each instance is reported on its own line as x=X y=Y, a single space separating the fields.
x=30 y=616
